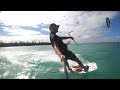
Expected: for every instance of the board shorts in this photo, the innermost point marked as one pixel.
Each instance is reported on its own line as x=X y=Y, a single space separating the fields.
x=69 y=55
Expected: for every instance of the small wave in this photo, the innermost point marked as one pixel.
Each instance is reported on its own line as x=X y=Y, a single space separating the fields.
x=22 y=77
x=5 y=74
x=51 y=58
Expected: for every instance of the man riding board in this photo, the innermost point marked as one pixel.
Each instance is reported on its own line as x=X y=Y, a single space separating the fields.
x=61 y=48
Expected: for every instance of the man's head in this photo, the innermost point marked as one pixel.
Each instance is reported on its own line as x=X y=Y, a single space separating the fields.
x=54 y=28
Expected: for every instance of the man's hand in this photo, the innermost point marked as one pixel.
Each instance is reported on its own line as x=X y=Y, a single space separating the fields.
x=62 y=57
x=72 y=38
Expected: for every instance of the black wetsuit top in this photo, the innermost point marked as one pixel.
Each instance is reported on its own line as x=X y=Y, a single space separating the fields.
x=58 y=41
x=63 y=47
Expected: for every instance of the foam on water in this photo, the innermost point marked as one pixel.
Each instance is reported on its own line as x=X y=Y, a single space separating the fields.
x=5 y=74
x=20 y=63
x=26 y=60
x=51 y=58
x=22 y=76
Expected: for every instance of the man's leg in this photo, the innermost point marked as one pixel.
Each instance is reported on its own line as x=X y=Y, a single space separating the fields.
x=73 y=57
x=67 y=64
x=79 y=62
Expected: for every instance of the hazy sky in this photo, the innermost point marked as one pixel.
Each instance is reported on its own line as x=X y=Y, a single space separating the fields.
x=33 y=25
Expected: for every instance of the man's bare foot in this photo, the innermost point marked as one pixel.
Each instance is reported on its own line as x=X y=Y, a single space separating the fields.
x=78 y=69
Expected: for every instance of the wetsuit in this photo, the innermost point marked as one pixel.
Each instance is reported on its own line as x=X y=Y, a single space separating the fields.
x=64 y=50
x=62 y=47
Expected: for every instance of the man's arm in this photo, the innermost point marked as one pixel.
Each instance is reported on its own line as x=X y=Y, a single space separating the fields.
x=57 y=50
x=63 y=38
x=62 y=57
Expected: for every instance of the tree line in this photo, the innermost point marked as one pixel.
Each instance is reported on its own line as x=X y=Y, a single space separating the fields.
x=3 y=44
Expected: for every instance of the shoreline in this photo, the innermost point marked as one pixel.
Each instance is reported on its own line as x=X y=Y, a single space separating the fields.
x=36 y=44
x=22 y=44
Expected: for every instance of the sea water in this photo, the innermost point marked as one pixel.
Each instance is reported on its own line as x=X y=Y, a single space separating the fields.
x=41 y=62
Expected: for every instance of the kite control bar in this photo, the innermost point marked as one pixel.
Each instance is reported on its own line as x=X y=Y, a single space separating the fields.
x=70 y=36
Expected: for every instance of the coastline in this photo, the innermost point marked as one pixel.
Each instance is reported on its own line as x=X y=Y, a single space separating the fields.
x=22 y=44
x=45 y=43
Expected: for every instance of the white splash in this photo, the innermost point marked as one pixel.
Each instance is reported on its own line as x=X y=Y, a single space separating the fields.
x=5 y=74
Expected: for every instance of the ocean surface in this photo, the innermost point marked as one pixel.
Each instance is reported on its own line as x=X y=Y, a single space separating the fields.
x=41 y=62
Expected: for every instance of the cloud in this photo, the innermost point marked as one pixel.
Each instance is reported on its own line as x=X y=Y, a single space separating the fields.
x=37 y=38
x=15 y=30
x=91 y=25
x=30 y=18
x=87 y=24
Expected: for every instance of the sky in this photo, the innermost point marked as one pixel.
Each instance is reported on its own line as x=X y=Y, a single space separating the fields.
x=87 y=26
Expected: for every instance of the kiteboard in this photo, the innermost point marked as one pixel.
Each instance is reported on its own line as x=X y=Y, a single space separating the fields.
x=92 y=66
